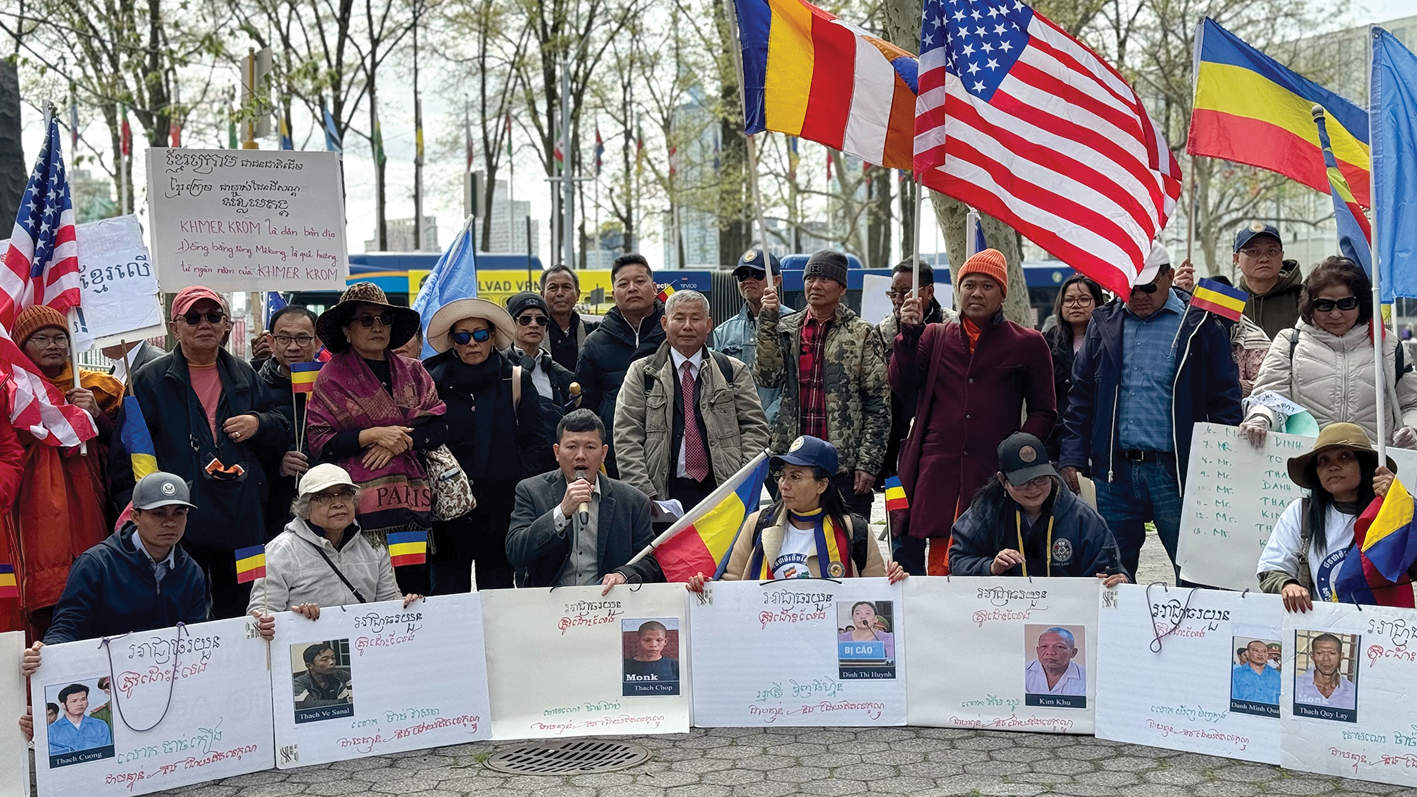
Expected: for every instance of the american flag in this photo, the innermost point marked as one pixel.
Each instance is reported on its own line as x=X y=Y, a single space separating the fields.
x=1020 y=120
x=36 y=405
x=42 y=262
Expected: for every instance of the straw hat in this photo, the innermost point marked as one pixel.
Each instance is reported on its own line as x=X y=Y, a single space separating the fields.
x=331 y=324
x=440 y=328
x=1336 y=435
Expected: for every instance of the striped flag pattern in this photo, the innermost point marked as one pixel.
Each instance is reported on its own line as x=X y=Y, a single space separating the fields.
x=408 y=548
x=9 y=585
x=303 y=375
x=36 y=406
x=250 y=564
x=42 y=261
x=1042 y=134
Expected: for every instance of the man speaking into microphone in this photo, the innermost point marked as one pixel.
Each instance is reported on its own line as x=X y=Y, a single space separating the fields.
x=575 y=526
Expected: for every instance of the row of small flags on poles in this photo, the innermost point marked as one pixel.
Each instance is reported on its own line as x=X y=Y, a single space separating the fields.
x=405 y=548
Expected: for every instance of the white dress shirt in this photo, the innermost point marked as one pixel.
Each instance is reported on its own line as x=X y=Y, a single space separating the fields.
x=694 y=362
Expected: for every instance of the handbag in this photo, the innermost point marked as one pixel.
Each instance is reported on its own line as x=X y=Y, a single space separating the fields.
x=452 y=491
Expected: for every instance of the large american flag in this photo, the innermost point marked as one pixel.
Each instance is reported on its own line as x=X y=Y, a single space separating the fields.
x=1020 y=120
x=41 y=267
x=42 y=262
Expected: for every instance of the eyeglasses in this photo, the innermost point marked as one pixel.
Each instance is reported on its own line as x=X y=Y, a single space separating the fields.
x=325 y=499
x=45 y=341
x=479 y=335
x=1083 y=301
x=1150 y=287
x=898 y=294
x=194 y=318
x=385 y=318
x=528 y=320
x=1032 y=484
x=1321 y=305
x=1270 y=252
x=303 y=340
x=749 y=274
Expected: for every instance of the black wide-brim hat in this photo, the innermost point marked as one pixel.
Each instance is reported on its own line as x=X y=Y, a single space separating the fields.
x=330 y=326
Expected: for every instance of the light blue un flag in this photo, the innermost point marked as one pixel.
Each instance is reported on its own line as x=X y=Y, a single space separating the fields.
x=453 y=277
x=1393 y=104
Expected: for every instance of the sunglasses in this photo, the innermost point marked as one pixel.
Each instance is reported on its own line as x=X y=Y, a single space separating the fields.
x=528 y=320
x=385 y=319
x=1328 y=305
x=194 y=318
x=479 y=335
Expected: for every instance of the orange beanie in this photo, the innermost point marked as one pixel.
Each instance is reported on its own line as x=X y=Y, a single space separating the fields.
x=34 y=318
x=990 y=263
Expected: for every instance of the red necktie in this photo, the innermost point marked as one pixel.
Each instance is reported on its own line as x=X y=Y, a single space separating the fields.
x=695 y=455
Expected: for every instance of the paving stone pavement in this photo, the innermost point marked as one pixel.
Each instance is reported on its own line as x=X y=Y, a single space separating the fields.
x=729 y=762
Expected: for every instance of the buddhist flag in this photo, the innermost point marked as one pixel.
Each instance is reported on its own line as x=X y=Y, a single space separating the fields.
x=250 y=563
x=137 y=439
x=701 y=540
x=9 y=587
x=1219 y=298
x=666 y=291
x=1384 y=546
x=408 y=548
x=895 y=495
x=302 y=376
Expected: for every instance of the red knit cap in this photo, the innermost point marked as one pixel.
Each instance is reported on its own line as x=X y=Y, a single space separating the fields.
x=34 y=318
x=990 y=263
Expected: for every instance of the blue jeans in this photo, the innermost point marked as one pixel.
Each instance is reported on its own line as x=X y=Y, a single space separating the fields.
x=1141 y=491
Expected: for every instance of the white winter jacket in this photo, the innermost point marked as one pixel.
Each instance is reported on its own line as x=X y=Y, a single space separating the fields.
x=296 y=573
x=1332 y=377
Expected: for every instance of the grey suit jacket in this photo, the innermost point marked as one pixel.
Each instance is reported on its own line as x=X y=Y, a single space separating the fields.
x=538 y=551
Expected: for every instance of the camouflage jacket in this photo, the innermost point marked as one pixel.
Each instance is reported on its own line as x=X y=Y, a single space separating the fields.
x=858 y=396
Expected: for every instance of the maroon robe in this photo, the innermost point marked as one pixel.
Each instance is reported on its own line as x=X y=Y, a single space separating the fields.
x=966 y=405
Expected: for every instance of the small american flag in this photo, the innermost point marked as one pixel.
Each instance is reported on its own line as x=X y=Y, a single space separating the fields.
x=42 y=262
x=1020 y=120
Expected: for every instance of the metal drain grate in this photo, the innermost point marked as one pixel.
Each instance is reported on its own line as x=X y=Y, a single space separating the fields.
x=584 y=757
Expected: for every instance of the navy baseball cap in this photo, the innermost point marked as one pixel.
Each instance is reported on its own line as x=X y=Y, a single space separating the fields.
x=1256 y=229
x=809 y=452
x=1022 y=458
x=752 y=260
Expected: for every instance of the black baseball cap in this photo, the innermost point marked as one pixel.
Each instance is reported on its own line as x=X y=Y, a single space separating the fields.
x=1023 y=458
x=752 y=260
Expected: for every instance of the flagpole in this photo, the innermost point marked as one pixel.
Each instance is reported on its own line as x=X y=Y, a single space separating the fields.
x=73 y=314
x=1379 y=328
x=714 y=498
x=732 y=15
x=919 y=220
x=1191 y=217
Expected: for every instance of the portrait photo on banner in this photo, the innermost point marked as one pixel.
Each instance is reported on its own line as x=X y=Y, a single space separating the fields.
x=865 y=639
x=650 y=648
x=1255 y=681
x=1326 y=675
x=1055 y=673
x=321 y=677
x=79 y=721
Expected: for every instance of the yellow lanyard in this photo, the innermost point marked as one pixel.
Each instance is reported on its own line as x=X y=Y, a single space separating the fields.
x=1047 y=552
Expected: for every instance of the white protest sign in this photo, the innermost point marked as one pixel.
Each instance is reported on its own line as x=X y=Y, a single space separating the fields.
x=371 y=679
x=1234 y=494
x=574 y=663
x=153 y=710
x=1190 y=690
x=1347 y=702
x=1002 y=653
x=247 y=220
x=799 y=652
x=14 y=752
x=120 y=293
x=875 y=304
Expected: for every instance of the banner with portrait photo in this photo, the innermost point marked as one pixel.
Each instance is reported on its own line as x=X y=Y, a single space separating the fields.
x=1211 y=682
x=14 y=757
x=572 y=662
x=153 y=710
x=1002 y=653
x=799 y=652
x=376 y=678
x=1347 y=705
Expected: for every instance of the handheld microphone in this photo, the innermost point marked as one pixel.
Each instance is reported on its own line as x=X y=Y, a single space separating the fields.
x=582 y=511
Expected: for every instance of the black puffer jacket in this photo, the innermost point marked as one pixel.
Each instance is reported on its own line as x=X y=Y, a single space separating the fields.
x=606 y=356
x=282 y=488
x=1060 y=345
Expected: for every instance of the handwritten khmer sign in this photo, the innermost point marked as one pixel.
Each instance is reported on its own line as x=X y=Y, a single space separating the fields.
x=247 y=220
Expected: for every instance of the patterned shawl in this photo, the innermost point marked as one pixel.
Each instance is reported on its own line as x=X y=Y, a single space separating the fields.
x=348 y=397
